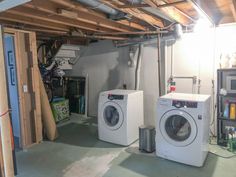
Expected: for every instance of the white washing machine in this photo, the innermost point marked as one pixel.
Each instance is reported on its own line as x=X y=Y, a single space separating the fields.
x=183 y=128
x=120 y=113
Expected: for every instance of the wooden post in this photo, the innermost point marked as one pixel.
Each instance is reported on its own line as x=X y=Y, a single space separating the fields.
x=5 y=119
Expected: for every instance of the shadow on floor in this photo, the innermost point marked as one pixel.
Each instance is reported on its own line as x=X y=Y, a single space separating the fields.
x=83 y=135
x=151 y=166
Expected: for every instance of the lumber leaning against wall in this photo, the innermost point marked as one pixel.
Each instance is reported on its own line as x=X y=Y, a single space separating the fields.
x=5 y=119
x=27 y=76
x=47 y=116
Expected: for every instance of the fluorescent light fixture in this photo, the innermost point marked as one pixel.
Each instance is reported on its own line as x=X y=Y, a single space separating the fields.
x=8 y=4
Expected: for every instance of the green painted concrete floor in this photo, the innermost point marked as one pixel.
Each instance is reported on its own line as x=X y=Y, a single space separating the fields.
x=78 y=153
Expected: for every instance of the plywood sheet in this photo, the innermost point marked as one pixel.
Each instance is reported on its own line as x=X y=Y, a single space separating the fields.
x=47 y=116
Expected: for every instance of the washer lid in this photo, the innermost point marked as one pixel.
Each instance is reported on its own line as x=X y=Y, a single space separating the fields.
x=112 y=115
x=178 y=127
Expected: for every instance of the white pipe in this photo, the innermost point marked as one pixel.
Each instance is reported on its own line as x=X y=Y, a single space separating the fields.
x=138 y=67
x=86 y=95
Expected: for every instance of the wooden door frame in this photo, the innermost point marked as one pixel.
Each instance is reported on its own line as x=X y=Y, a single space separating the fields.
x=25 y=141
x=6 y=160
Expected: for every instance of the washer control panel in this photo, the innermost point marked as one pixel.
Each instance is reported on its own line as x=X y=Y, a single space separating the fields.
x=115 y=97
x=185 y=104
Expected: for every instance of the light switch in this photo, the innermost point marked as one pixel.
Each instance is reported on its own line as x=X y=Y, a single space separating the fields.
x=25 y=88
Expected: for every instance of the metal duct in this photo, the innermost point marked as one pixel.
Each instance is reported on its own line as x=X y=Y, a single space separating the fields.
x=100 y=6
x=152 y=10
x=8 y=4
x=178 y=31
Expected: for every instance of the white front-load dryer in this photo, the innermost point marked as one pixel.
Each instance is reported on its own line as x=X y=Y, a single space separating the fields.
x=120 y=113
x=183 y=128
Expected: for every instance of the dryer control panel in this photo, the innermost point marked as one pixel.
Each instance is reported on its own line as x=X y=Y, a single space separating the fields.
x=115 y=97
x=185 y=104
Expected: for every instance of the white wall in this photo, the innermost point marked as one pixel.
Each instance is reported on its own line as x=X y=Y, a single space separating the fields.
x=107 y=69
x=149 y=82
x=198 y=54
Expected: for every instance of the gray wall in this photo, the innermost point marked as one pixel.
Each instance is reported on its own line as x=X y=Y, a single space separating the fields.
x=149 y=80
x=194 y=54
x=107 y=68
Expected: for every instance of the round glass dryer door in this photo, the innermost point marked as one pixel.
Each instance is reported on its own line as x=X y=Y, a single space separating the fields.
x=112 y=115
x=178 y=128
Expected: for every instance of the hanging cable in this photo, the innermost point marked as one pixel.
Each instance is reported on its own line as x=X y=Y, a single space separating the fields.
x=5 y=113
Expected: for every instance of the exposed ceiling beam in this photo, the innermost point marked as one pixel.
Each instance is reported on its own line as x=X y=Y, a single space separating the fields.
x=93 y=18
x=31 y=21
x=36 y=14
x=200 y=10
x=135 y=13
x=172 y=12
x=75 y=6
x=16 y=25
x=82 y=16
x=233 y=9
x=234 y=3
x=147 y=5
x=132 y=24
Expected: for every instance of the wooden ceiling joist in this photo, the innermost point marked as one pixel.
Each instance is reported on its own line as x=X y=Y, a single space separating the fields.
x=203 y=11
x=31 y=21
x=153 y=21
x=172 y=12
x=39 y=15
x=72 y=5
x=234 y=4
x=32 y=28
x=61 y=17
x=86 y=17
x=233 y=9
x=132 y=24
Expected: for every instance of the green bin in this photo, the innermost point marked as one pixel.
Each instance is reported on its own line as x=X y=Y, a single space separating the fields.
x=60 y=110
